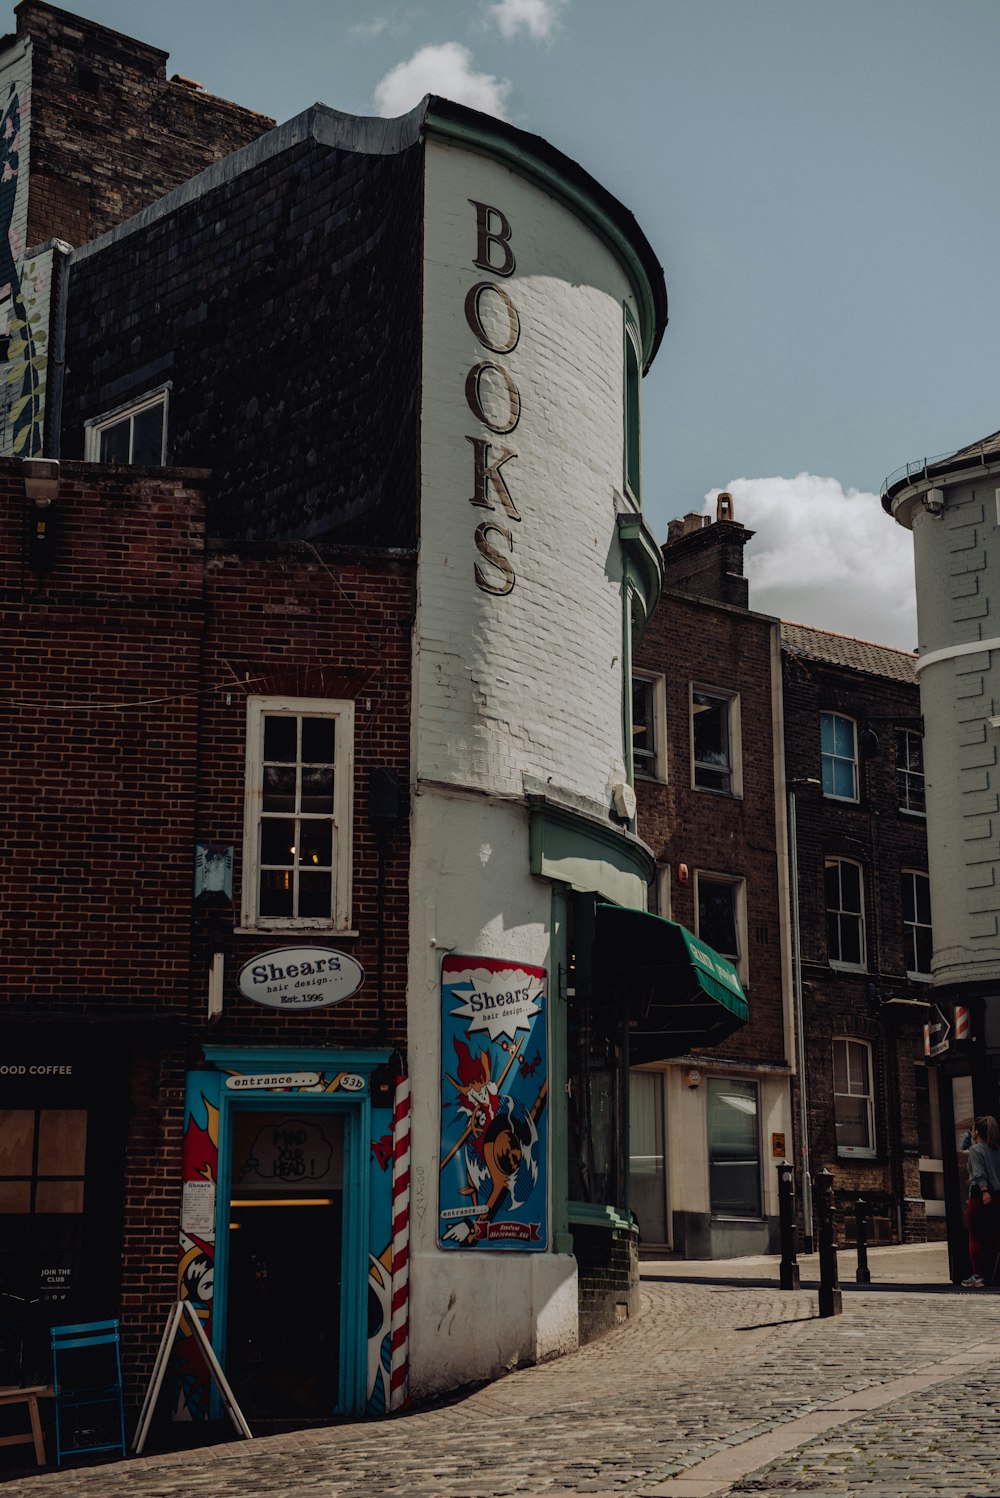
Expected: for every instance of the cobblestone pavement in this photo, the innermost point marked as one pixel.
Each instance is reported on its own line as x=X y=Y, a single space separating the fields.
x=704 y=1369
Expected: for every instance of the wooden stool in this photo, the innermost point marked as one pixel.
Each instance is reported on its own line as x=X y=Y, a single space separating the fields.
x=28 y=1396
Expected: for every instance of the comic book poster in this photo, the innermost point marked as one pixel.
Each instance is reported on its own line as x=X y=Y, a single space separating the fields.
x=494 y=1082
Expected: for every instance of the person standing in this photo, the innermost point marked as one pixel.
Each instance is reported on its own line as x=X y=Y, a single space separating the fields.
x=983 y=1207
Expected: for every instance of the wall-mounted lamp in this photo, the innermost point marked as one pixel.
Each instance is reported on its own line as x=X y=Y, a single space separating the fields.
x=41 y=480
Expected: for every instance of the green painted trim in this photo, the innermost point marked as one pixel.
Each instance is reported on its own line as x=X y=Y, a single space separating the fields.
x=520 y=158
x=591 y=1215
x=575 y=850
x=643 y=569
x=558 y=1071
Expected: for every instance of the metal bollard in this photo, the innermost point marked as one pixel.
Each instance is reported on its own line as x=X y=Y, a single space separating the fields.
x=830 y=1297
x=790 y=1275
x=863 y=1274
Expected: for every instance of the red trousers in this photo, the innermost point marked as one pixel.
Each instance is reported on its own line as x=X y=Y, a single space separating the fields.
x=984 y=1235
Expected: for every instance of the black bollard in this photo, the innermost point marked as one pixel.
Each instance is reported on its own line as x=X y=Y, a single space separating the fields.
x=790 y=1277
x=830 y=1299
x=863 y=1274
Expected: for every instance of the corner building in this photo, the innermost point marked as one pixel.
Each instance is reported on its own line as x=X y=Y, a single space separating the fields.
x=951 y=504
x=403 y=359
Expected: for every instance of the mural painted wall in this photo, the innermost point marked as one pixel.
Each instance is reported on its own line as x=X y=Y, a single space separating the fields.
x=197 y=1240
x=494 y=1145
x=25 y=280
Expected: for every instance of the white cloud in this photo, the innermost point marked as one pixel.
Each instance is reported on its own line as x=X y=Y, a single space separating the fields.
x=824 y=557
x=445 y=69
x=369 y=30
x=538 y=18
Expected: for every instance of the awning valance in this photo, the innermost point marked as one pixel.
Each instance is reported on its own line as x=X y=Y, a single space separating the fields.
x=675 y=989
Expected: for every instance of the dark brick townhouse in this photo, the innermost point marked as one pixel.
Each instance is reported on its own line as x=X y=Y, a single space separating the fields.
x=854 y=761
x=707 y=694
x=766 y=750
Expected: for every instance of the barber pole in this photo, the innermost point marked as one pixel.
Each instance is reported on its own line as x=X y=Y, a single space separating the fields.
x=399 y=1340
x=962 y=1025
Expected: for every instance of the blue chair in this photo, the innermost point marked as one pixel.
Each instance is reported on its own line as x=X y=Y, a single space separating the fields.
x=87 y=1374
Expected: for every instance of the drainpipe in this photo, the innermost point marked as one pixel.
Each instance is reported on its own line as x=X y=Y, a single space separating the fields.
x=807 y=1203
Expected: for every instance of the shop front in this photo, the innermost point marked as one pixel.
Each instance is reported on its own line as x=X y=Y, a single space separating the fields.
x=62 y=1146
x=286 y=1231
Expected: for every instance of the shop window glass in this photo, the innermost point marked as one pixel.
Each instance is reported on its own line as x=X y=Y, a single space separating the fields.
x=733 y=1148
x=42 y=1160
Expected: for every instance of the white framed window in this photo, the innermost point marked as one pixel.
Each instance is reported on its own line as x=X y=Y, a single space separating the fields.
x=649 y=726
x=853 y=1100
x=845 y=913
x=715 y=741
x=297 y=813
x=918 y=940
x=721 y=916
x=910 y=772
x=135 y=433
x=839 y=754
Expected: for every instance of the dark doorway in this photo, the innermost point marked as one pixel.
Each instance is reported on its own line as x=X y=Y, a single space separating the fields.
x=285 y=1260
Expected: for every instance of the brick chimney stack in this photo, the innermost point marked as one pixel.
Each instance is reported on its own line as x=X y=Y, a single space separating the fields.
x=705 y=558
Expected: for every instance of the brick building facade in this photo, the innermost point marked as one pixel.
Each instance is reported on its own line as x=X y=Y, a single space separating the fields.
x=853 y=753
x=712 y=809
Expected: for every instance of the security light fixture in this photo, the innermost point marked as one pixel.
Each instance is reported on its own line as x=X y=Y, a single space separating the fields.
x=41 y=480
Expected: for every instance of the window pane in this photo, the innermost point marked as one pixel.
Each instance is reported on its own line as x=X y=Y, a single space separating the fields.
x=15 y=1197
x=851 y=1119
x=850 y=886
x=843 y=779
x=59 y=1196
x=62 y=1142
x=279 y=788
x=843 y=737
x=711 y=742
x=316 y=843
x=317 y=741
x=275 y=893
x=850 y=940
x=317 y=790
x=839 y=1066
x=717 y=916
x=922 y=890
x=315 y=896
x=17 y=1134
x=114 y=442
x=147 y=435
x=643 y=736
x=280 y=739
x=826 y=734
x=277 y=841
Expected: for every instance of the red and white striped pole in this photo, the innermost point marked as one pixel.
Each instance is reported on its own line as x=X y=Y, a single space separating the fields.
x=399 y=1325
x=961 y=1022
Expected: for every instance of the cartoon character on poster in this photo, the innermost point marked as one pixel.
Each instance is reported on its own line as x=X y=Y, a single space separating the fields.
x=494 y=1033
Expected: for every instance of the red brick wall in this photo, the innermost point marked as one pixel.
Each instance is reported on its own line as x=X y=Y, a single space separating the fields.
x=124 y=677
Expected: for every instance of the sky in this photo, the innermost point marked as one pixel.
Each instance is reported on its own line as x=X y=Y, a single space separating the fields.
x=818 y=179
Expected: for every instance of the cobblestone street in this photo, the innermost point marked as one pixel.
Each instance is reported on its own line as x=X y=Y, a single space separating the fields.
x=722 y=1384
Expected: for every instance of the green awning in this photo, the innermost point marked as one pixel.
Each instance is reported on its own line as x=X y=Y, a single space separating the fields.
x=676 y=990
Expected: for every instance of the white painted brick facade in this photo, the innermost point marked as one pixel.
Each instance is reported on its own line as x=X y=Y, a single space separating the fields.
x=528 y=683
